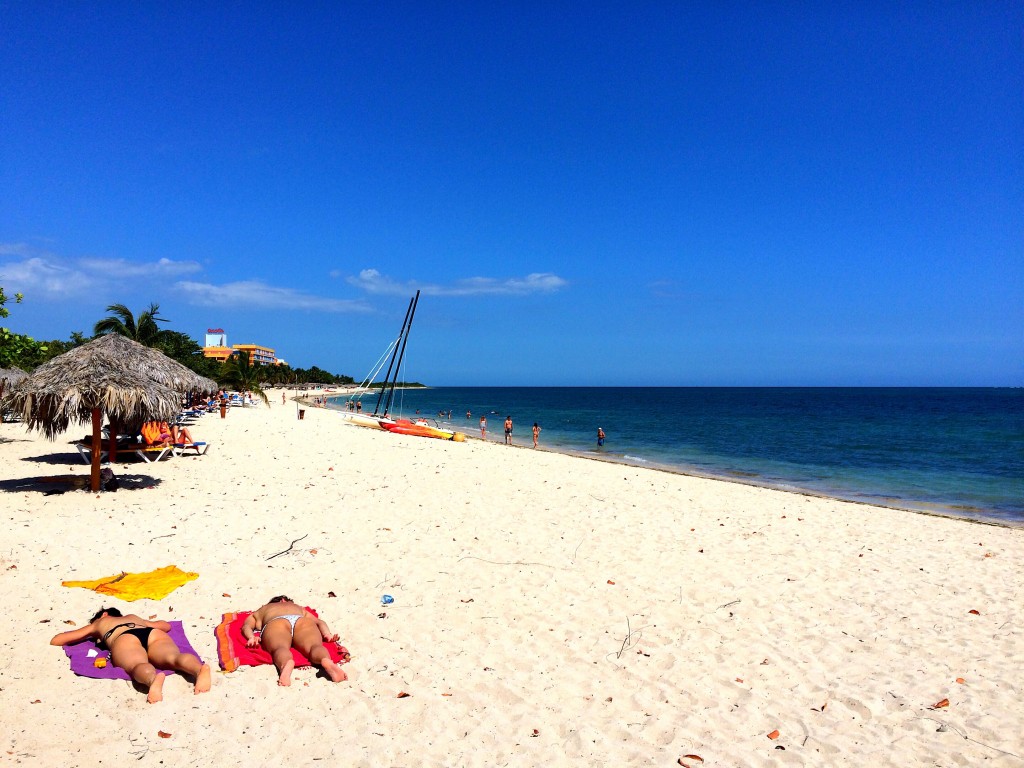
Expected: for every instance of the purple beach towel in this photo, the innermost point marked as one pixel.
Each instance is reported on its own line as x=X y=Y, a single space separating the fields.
x=83 y=656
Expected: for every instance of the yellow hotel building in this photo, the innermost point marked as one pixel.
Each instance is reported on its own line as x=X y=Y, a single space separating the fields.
x=257 y=355
x=217 y=348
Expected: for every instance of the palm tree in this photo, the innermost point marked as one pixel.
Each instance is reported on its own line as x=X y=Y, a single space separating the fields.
x=239 y=373
x=143 y=330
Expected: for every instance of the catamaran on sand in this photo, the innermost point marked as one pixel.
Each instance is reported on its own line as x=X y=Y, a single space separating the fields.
x=381 y=417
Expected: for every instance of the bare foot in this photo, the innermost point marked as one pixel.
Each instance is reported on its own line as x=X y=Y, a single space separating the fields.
x=202 y=680
x=336 y=673
x=285 y=678
x=156 y=689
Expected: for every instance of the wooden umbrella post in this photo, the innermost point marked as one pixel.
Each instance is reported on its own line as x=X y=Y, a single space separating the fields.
x=97 y=444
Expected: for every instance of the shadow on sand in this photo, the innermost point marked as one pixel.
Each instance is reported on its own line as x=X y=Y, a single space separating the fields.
x=50 y=486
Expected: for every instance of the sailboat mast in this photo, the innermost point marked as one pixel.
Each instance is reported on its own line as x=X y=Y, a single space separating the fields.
x=387 y=378
x=394 y=383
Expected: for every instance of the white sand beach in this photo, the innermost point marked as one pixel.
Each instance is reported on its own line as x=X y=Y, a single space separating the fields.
x=548 y=610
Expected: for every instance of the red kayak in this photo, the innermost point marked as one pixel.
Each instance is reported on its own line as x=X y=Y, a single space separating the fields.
x=419 y=429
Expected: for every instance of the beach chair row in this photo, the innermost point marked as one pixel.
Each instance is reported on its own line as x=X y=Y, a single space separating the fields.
x=148 y=453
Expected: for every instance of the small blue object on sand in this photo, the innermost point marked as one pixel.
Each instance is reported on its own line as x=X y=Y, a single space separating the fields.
x=387 y=600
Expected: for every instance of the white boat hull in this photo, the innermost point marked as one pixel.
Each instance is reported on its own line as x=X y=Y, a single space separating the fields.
x=363 y=420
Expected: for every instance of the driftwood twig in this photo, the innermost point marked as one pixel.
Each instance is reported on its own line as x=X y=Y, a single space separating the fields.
x=495 y=562
x=628 y=641
x=286 y=551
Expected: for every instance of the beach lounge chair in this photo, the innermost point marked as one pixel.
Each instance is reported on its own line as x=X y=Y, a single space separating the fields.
x=200 y=448
x=151 y=453
x=85 y=451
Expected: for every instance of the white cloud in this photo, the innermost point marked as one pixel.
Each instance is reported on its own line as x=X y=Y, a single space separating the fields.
x=254 y=294
x=372 y=281
x=45 y=278
x=16 y=249
x=51 y=276
x=126 y=269
x=31 y=270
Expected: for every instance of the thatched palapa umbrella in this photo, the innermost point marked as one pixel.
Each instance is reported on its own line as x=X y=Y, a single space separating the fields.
x=111 y=375
x=9 y=377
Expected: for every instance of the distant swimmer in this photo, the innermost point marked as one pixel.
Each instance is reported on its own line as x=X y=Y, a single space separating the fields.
x=469 y=414
x=600 y=437
x=536 y=433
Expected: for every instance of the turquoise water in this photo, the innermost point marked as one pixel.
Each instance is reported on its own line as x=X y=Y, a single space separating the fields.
x=959 y=451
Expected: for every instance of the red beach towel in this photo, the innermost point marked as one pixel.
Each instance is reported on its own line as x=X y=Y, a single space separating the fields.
x=232 y=652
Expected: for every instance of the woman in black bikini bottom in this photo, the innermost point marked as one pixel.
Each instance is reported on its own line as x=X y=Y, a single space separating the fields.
x=141 y=633
x=139 y=647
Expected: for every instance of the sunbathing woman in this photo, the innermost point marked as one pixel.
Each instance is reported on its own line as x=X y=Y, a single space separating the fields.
x=181 y=435
x=156 y=433
x=284 y=624
x=138 y=647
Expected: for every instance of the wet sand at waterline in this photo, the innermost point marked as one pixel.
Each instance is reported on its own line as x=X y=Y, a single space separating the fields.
x=547 y=610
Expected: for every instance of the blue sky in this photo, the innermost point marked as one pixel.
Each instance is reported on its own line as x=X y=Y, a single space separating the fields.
x=586 y=194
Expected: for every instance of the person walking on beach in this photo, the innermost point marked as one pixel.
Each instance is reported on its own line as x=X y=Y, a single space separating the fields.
x=536 y=433
x=283 y=624
x=600 y=437
x=483 y=427
x=139 y=646
x=508 y=430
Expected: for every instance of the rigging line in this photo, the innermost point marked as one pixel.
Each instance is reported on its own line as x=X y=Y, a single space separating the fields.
x=373 y=372
x=405 y=381
x=405 y=340
x=387 y=383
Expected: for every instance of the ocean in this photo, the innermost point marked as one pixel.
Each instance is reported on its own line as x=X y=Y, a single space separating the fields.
x=957 y=451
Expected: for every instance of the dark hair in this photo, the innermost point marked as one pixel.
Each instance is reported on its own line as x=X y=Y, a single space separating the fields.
x=101 y=611
x=281 y=599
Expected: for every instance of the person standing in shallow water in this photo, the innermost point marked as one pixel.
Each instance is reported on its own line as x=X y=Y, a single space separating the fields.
x=483 y=427
x=508 y=430
x=536 y=433
x=600 y=437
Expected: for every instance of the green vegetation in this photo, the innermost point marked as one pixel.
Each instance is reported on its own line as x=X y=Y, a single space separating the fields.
x=145 y=330
x=240 y=374
x=15 y=348
x=27 y=353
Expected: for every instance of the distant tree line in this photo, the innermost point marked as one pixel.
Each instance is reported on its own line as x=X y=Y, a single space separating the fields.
x=145 y=328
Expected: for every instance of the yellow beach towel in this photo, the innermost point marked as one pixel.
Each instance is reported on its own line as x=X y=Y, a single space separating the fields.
x=135 y=586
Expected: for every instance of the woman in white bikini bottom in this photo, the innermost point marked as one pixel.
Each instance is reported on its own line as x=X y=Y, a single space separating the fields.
x=307 y=634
